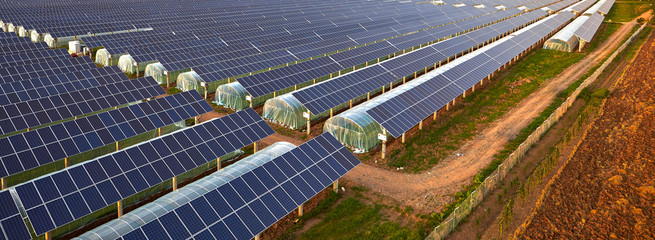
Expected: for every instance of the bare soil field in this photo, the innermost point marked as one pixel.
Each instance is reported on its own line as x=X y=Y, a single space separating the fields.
x=607 y=189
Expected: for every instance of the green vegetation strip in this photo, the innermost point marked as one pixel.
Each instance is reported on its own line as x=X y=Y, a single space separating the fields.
x=480 y=109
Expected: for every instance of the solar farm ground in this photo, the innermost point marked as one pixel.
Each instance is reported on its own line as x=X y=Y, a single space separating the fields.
x=406 y=201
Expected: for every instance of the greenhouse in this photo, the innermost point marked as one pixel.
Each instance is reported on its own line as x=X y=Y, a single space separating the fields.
x=35 y=36
x=232 y=95
x=287 y=111
x=167 y=203
x=22 y=32
x=102 y=56
x=191 y=80
x=10 y=27
x=128 y=65
x=57 y=42
x=156 y=71
x=565 y=40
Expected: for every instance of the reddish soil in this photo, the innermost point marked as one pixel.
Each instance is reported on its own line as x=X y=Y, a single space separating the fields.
x=483 y=222
x=429 y=191
x=607 y=189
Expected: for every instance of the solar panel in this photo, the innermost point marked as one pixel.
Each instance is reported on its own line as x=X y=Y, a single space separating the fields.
x=22 y=47
x=32 y=149
x=27 y=58
x=250 y=203
x=11 y=222
x=23 y=115
x=42 y=69
x=404 y=111
x=326 y=95
x=22 y=91
x=605 y=8
x=64 y=196
x=588 y=29
x=216 y=71
x=280 y=78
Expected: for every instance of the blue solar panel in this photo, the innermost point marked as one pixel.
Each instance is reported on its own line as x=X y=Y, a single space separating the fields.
x=277 y=79
x=326 y=95
x=22 y=91
x=250 y=203
x=11 y=222
x=108 y=179
x=23 y=115
x=36 y=148
x=401 y=113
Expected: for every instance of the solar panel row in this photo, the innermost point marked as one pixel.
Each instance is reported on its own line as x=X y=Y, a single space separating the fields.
x=61 y=197
x=25 y=90
x=248 y=204
x=23 y=115
x=401 y=113
x=33 y=149
x=330 y=94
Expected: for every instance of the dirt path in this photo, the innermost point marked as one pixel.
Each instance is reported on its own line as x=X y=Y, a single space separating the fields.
x=429 y=191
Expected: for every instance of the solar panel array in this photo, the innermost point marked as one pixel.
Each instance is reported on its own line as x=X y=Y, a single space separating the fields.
x=59 y=198
x=43 y=69
x=23 y=115
x=324 y=96
x=248 y=204
x=588 y=29
x=583 y=5
x=32 y=149
x=285 y=77
x=32 y=57
x=34 y=88
x=12 y=225
x=401 y=113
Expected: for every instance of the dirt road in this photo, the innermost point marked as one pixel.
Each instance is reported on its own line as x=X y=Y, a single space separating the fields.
x=429 y=191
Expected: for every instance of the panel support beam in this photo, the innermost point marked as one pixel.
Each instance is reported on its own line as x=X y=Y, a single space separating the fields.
x=119 y=207
x=335 y=186
x=300 y=210
x=218 y=164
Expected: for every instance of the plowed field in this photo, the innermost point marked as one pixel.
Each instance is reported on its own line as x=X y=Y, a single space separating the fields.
x=607 y=190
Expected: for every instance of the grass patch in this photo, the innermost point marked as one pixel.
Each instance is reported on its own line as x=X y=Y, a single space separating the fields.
x=481 y=109
x=352 y=219
x=625 y=11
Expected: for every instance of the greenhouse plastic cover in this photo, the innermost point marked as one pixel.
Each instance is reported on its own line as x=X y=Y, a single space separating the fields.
x=126 y=64
x=191 y=80
x=565 y=39
x=156 y=71
x=593 y=9
x=151 y=211
x=285 y=110
x=232 y=95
